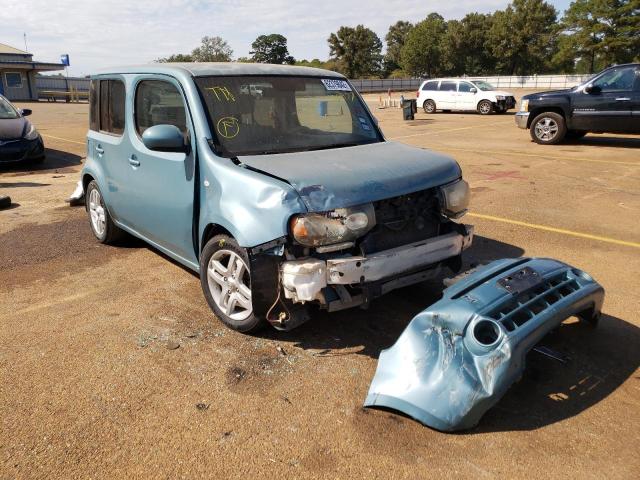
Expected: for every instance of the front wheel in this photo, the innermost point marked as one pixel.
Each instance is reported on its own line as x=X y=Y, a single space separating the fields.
x=429 y=106
x=485 y=107
x=548 y=128
x=226 y=282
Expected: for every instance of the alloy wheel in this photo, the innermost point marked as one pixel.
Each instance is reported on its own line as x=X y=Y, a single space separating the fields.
x=229 y=283
x=546 y=129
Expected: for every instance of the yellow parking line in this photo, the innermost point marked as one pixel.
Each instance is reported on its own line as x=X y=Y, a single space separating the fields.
x=556 y=230
x=63 y=139
x=504 y=152
x=430 y=132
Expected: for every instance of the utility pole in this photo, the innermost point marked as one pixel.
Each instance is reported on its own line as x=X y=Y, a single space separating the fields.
x=25 y=42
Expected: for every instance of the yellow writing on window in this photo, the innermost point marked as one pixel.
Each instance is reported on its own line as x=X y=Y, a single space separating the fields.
x=222 y=94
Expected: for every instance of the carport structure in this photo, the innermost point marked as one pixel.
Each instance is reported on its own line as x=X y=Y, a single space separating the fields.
x=18 y=73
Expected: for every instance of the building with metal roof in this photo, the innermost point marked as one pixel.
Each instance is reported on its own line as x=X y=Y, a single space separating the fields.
x=18 y=73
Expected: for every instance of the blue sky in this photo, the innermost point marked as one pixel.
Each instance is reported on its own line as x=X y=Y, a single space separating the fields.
x=103 y=33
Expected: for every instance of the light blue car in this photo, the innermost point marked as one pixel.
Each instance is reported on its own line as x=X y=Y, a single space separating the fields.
x=273 y=182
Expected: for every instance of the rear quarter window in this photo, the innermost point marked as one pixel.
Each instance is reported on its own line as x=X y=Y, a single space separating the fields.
x=430 y=86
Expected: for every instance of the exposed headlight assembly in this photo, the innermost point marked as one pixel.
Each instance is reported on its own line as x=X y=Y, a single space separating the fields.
x=500 y=97
x=455 y=198
x=524 y=106
x=337 y=226
x=31 y=133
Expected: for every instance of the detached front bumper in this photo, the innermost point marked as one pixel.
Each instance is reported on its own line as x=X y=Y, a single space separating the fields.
x=304 y=280
x=457 y=358
x=521 y=119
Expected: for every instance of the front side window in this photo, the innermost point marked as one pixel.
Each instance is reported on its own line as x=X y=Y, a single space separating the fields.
x=430 y=86
x=14 y=79
x=617 y=80
x=255 y=115
x=7 y=111
x=448 y=87
x=159 y=103
x=112 y=104
x=464 y=87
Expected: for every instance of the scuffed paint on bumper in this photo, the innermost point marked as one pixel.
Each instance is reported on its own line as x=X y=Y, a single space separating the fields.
x=521 y=119
x=457 y=358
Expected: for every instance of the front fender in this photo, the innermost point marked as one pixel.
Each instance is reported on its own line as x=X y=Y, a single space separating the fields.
x=253 y=207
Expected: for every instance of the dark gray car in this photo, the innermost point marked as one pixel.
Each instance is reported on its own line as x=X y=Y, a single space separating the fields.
x=19 y=139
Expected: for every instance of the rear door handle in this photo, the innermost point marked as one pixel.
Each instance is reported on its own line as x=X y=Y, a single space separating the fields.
x=100 y=150
x=133 y=161
x=623 y=99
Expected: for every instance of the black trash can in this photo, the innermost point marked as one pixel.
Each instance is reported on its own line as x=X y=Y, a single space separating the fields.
x=408 y=109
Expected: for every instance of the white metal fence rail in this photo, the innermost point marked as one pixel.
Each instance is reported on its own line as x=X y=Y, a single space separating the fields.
x=370 y=85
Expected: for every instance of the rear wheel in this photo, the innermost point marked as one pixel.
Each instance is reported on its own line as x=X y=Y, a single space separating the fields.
x=101 y=223
x=226 y=283
x=548 y=128
x=485 y=107
x=429 y=106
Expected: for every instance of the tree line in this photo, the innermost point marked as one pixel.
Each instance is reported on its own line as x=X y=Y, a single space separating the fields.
x=526 y=37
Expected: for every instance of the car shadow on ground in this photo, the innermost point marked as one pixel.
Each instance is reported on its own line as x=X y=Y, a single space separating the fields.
x=616 y=142
x=54 y=160
x=600 y=360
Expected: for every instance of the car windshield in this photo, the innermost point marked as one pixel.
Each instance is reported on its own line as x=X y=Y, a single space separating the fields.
x=484 y=86
x=255 y=115
x=7 y=110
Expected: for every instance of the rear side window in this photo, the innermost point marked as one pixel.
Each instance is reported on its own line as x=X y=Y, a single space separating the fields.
x=107 y=99
x=430 y=86
x=159 y=103
x=448 y=87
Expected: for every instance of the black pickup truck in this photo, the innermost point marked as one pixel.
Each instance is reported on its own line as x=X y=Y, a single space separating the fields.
x=607 y=103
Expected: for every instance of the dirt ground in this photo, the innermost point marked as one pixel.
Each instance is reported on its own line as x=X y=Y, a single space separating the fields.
x=112 y=365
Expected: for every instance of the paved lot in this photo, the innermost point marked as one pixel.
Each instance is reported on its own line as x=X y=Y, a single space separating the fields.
x=92 y=385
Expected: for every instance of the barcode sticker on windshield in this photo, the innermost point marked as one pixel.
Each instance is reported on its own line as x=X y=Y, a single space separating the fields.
x=336 y=85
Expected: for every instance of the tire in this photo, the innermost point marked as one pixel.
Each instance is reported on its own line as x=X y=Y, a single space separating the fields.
x=5 y=202
x=225 y=277
x=100 y=221
x=575 y=134
x=485 y=107
x=429 y=106
x=548 y=128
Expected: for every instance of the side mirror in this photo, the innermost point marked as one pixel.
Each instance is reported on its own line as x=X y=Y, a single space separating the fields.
x=592 y=89
x=473 y=90
x=25 y=112
x=164 y=138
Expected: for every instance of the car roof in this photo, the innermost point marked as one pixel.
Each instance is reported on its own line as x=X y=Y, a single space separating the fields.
x=451 y=79
x=206 y=69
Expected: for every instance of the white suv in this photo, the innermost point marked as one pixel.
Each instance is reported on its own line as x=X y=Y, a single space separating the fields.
x=463 y=94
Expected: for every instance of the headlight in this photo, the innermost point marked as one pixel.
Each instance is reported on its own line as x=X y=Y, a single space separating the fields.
x=336 y=226
x=32 y=133
x=455 y=199
x=524 y=106
x=500 y=97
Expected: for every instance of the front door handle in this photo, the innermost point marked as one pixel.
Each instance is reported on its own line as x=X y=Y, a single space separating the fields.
x=100 y=150
x=133 y=161
x=623 y=99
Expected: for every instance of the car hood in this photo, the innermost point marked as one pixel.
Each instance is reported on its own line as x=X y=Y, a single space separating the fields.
x=12 y=128
x=502 y=92
x=343 y=177
x=550 y=93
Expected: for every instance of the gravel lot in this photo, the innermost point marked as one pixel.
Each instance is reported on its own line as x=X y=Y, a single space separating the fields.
x=113 y=366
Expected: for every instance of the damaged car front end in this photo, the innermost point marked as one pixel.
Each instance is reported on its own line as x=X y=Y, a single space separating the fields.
x=458 y=357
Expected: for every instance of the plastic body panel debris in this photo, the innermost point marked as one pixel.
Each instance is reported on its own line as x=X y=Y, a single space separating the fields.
x=457 y=358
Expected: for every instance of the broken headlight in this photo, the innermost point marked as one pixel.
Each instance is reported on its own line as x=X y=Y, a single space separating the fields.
x=31 y=133
x=337 y=226
x=454 y=198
